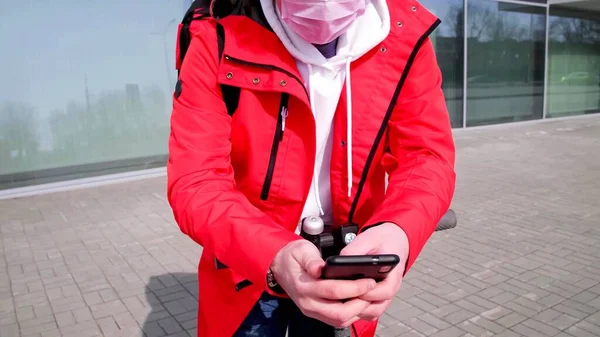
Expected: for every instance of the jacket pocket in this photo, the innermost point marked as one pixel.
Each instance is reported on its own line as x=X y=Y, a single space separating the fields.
x=277 y=138
x=242 y=284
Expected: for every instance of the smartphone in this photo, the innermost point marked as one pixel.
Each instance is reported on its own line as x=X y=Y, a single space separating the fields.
x=354 y=267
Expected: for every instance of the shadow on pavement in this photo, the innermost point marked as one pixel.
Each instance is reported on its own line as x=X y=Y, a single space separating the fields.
x=174 y=303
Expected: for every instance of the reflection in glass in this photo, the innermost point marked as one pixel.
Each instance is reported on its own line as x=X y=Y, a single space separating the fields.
x=573 y=61
x=448 y=40
x=85 y=89
x=505 y=68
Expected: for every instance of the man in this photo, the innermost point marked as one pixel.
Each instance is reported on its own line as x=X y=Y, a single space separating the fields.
x=334 y=94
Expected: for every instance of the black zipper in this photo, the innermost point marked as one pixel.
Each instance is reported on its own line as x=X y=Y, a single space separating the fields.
x=388 y=115
x=277 y=138
x=269 y=67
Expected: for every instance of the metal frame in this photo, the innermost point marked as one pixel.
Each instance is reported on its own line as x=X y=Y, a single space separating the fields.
x=465 y=62
x=70 y=185
x=559 y=2
x=546 y=65
x=523 y=2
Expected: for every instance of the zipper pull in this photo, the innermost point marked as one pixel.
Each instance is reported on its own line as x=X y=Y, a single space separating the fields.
x=284 y=114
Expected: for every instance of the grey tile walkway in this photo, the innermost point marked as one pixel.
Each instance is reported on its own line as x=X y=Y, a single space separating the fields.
x=524 y=261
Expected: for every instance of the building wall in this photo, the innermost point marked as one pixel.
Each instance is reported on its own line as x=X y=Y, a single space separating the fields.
x=86 y=86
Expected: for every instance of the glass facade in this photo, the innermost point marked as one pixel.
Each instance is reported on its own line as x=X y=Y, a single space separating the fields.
x=505 y=62
x=86 y=86
x=573 y=60
x=448 y=40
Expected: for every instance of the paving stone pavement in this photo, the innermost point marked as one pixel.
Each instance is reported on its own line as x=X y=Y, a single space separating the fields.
x=524 y=261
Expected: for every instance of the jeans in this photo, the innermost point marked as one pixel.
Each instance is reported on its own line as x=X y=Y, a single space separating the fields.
x=272 y=316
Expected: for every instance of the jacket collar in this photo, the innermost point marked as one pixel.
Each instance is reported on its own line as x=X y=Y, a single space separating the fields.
x=255 y=44
x=414 y=19
x=250 y=38
x=250 y=41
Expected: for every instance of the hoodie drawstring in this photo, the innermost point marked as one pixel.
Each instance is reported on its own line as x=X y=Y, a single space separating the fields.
x=349 y=125
x=315 y=171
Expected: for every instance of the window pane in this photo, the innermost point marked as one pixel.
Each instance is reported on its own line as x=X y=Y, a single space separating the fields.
x=448 y=40
x=505 y=69
x=574 y=59
x=85 y=87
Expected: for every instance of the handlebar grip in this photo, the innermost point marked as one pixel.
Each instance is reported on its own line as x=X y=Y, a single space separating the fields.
x=448 y=221
x=342 y=332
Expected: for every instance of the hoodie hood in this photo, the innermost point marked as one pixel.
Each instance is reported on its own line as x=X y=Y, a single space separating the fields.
x=324 y=79
x=366 y=32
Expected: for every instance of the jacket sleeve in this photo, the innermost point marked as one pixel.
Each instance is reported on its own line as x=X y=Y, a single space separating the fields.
x=419 y=157
x=201 y=186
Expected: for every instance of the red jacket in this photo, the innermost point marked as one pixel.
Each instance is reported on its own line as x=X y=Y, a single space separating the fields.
x=218 y=166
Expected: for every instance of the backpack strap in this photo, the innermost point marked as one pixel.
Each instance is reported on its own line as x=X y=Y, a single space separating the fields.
x=231 y=94
x=199 y=10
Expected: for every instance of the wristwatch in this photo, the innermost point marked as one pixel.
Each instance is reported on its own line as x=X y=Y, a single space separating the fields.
x=272 y=283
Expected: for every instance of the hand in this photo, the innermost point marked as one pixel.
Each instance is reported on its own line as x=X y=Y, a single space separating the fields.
x=386 y=238
x=297 y=268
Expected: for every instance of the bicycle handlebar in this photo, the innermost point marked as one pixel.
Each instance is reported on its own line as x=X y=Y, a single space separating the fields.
x=448 y=221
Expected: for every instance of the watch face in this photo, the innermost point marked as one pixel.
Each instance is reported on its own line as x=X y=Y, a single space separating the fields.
x=271 y=279
x=272 y=283
x=274 y=286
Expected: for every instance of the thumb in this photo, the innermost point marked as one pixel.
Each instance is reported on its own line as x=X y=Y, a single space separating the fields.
x=310 y=260
x=362 y=245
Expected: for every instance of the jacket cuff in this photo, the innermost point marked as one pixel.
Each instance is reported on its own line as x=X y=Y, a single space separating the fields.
x=416 y=233
x=266 y=254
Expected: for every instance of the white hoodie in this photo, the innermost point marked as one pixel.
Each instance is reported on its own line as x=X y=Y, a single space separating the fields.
x=324 y=79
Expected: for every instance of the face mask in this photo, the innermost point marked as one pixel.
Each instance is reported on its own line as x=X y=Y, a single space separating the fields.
x=320 y=21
